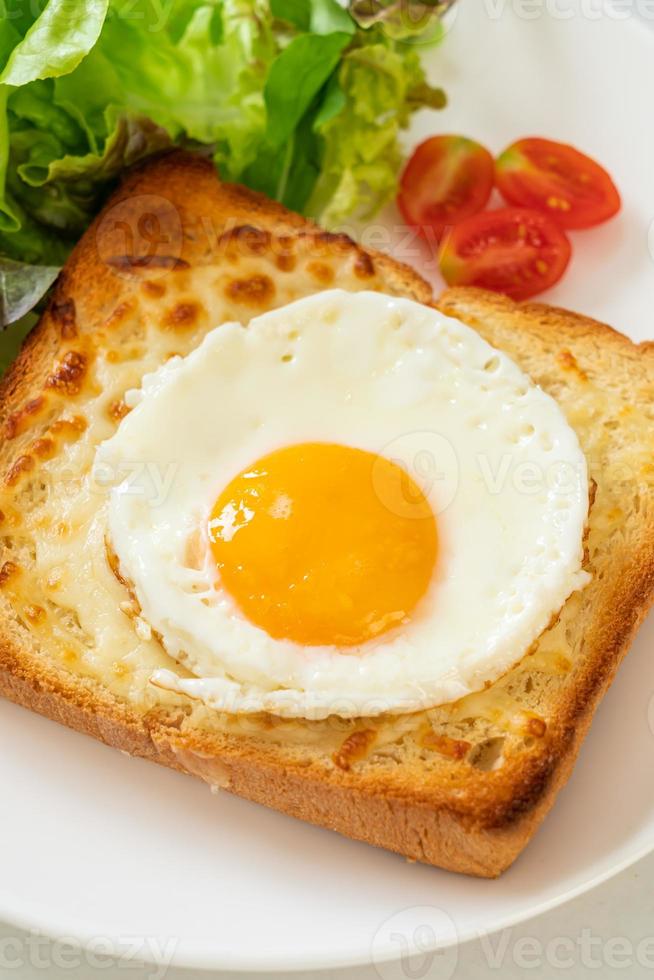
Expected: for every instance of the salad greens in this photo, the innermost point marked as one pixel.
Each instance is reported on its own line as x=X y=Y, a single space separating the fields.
x=402 y=19
x=22 y=286
x=55 y=42
x=298 y=98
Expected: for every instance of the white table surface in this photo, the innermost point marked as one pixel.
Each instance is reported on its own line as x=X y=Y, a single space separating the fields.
x=605 y=933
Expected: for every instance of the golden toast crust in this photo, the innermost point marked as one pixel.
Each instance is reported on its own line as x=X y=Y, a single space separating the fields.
x=427 y=790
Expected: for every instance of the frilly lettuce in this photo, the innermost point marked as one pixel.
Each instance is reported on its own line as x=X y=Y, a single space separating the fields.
x=402 y=19
x=293 y=97
x=380 y=86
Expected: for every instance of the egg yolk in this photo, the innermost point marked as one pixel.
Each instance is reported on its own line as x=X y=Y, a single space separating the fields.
x=323 y=544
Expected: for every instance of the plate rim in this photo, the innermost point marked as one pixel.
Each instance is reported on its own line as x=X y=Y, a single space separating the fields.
x=84 y=936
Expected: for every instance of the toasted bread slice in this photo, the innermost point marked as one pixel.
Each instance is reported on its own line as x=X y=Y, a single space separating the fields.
x=463 y=786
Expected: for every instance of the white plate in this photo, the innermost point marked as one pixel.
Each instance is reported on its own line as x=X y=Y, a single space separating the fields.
x=97 y=845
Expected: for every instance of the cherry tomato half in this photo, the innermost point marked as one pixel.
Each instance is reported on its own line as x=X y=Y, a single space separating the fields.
x=447 y=179
x=512 y=251
x=558 y=180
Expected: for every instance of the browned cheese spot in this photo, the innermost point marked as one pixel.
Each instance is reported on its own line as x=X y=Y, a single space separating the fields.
x=364 y=267
x=285 y=261
x=321 y=272
x=255 y=291
x=568 y=362
x=34 y=614
x=68 y=376
x=153 y=288
x=8 y=570
x=284 y=251
x=183 y=315
x=355 y=747
x=452 y=748
x=69 y=429
x=118 y=410
x=24 y=464
x=63 y=313
x=536 y=727
x=44 y=448
x=19 y=421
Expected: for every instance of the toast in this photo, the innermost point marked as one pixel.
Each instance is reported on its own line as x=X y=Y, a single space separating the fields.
x=463 y=786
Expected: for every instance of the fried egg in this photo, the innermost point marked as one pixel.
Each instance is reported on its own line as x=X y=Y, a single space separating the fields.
x=353 y=505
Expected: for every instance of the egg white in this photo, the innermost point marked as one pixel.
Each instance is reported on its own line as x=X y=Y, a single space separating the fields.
x=500 y=465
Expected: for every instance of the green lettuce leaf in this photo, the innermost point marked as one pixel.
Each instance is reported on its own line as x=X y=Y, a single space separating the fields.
x=59 y=192
x=293 y=97
x=402 y=19
x=379 y=87
x=295 y=78
x=21 y=14
x=317 y=16
x=327 y=17
x=56 y=42
x=295 y=12
x=22 y=286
